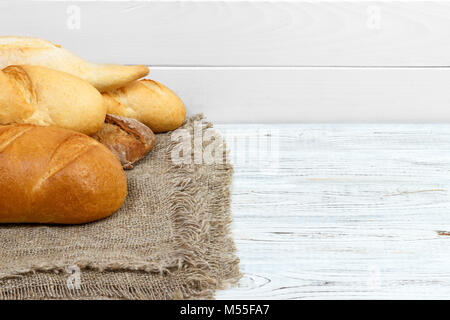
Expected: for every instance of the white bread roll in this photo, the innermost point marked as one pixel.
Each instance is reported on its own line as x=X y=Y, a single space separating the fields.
x=149 y=102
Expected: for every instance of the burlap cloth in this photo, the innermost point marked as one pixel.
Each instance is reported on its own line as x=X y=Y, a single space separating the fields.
x=170 y=240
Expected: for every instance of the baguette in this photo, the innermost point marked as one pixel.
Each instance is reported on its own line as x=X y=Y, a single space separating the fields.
x=34 y=51
x=149 y=102
x=53 y=175
x=43 y=96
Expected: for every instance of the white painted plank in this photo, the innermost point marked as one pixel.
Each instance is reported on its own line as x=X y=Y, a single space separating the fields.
x=348 y=211
x=261 y=33
x=271 y=95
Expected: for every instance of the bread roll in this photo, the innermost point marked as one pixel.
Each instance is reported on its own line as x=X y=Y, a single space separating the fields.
x=34 y=51
x=53 y=175
x=149 y=102
x=43 y=96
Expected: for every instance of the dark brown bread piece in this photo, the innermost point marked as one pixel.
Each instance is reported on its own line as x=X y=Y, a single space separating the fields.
x=128 y=139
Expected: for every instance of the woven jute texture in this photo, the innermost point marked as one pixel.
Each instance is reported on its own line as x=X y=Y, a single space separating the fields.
x=170 y=240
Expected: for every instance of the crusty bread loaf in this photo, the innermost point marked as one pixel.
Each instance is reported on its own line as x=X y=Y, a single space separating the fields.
x=149 y=102
x=53 y=175
x=43 y=96
x=34 y=51
x=128 y=139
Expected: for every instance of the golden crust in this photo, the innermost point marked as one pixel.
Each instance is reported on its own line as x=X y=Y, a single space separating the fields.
x=52 y=175
x=148 y=101
x=43 y=96
x=34 y=51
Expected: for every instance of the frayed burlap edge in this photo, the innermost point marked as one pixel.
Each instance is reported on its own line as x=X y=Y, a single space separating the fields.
x=191 y=238
x=193 y=231
x=201 y=281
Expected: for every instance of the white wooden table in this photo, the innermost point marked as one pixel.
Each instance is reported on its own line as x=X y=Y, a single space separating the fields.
x=342 y=211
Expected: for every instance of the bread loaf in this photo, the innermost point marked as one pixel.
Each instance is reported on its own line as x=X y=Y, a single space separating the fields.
x=45 y=97
x=149 y=102
x=34 y=51
x=53 y=175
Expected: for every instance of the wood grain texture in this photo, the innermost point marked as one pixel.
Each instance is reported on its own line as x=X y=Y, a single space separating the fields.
x=343 y=211
x=271 y=95
x=261 y=33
